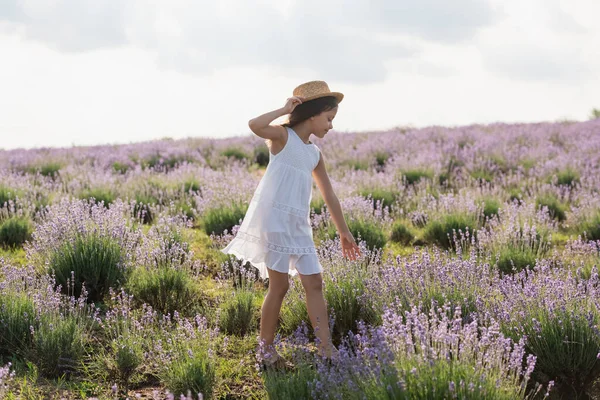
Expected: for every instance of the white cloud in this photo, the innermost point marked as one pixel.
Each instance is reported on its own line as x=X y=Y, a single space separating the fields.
x=434 y=20
x=543 y=41
x=68 y=25
x=336 y=38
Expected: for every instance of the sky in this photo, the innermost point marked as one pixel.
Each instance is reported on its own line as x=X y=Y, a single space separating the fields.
x=86 y=72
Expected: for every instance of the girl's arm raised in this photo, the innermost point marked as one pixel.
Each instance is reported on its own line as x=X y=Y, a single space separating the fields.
x=260 y=125
x=349 y=247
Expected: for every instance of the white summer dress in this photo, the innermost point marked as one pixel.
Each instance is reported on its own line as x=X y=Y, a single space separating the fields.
x=276 y=232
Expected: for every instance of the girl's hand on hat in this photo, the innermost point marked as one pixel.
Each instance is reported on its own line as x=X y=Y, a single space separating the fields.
x=350 y=249
x=291 y=104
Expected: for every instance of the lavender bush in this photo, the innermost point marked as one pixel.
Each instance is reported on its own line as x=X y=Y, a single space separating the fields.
x=525 y=269
x=414 y=355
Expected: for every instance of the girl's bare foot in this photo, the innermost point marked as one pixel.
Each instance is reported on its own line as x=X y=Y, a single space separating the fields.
x=329 y=351
x=271 y=359
x=276 y=362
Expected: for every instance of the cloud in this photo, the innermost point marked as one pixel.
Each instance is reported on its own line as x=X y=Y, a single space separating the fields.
x=532 y=62
x=68 y=25
x=204 y=40
x=332 y=40
x=559 y=20
x=435 y=20
x=335 y=40
x=540 y=42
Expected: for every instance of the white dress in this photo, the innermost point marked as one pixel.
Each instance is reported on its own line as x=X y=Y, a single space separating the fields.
x=276 y=232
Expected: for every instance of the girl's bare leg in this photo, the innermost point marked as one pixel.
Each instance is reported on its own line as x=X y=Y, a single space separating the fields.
x=317 y=311
x=278 y=287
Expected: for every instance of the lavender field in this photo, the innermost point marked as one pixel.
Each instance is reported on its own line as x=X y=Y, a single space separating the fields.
x=478 y=277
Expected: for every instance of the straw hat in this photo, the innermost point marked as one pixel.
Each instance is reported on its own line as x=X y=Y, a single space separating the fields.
x=315 y=89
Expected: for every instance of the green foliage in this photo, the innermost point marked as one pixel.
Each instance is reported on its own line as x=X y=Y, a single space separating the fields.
x=290 y=384
x=464 y=142
x=94 y=260
x=514 y=259
x=121 y=360
x=317 y=205
x=120 y=167
x=454 y=163
x=515 y=194
x=386 y=197
x=595 y=113
x=15 y=231
x=415 y=175
x=99 y=194
x=491 y=206
x=217 y=219
x=195 y=372
x=128 y=358
x=555 y=207
x=443 y=178
x=157 y=161
x=240 y=275
x=499 y=162
x=368 y=231
x=568 y=176
x=381 y=158
x=17 y=314
x=58 y=346
x=527 y=163
x=261 y=155
x=355 y=164
x=186 y=209
x=41 y=202
x=294 y=312
x=235 y=153
x=7 y=194
x=49 y=169
x=191 y=185
x=346 y=301
x=142 y=208
x=151 y=161
x=565 y=342
x=456 y=297
x=482 y=174
x=437 y=231
x=165 y=288
x=410 y=379
x=401 y=234
x=174 y=161
x=591 y=226
x=238 y=313
x=449 y=169
x=432 y=381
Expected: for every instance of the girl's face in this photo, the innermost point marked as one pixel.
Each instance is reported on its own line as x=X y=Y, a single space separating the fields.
x=323 y=122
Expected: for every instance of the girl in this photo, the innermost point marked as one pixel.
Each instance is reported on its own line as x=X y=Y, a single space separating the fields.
x=275 y=235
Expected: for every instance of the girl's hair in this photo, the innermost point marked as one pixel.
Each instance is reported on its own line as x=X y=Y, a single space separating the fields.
x=304 y=111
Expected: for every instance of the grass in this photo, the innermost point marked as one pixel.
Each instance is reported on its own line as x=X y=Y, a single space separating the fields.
x=236 y=375
x=415 y=175
x=385 y=197
x=440 y=232
x=218 y=219
x=14 y=255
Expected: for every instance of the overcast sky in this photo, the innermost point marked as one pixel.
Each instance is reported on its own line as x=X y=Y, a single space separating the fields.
x=80 y=72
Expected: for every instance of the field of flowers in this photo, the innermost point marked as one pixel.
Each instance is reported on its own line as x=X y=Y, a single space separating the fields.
x=478 y=277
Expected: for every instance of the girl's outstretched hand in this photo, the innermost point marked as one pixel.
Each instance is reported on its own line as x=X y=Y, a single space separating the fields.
x=291 y=103
x=349 y=247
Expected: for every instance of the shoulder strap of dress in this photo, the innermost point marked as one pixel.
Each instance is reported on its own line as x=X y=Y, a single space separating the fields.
x=292 y=132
